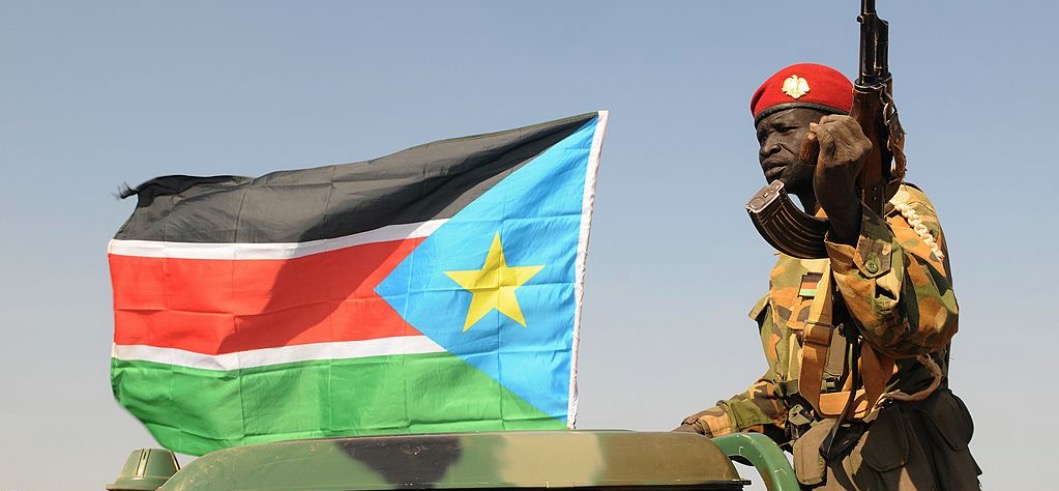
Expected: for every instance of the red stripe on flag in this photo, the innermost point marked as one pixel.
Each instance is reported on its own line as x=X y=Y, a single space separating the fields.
x=226 y=306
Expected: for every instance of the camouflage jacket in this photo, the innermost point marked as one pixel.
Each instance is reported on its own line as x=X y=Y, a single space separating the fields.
x=895 y=282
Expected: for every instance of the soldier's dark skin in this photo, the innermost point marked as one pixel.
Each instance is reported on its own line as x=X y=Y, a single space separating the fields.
x=830 y=183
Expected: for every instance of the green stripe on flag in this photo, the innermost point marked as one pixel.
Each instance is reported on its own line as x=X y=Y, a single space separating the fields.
x=377 y=395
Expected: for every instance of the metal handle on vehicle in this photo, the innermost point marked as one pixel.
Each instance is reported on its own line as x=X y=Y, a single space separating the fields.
x=766 y=457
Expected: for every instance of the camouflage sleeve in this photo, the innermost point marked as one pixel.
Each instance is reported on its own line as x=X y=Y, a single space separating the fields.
x=756 y=410
x=896 y=280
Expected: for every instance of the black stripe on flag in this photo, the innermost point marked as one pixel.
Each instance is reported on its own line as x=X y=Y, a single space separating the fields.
x=426 y=182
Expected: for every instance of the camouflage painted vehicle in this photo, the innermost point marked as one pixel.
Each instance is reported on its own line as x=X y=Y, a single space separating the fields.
x=534 y=460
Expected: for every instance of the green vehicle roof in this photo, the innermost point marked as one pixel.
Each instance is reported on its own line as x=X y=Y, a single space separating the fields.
x=560 y=459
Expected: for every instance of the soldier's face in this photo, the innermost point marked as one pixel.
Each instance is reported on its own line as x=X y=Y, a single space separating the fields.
x=780 y=137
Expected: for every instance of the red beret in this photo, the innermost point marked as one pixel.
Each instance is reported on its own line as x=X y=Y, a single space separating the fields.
x=803 y=85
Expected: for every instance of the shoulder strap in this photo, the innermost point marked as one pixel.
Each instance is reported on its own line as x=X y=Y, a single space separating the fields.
x=823 y=348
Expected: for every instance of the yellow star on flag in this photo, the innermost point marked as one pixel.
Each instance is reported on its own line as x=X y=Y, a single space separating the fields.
x=493 y=286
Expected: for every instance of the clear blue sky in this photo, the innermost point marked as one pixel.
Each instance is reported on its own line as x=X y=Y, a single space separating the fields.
x=95 y=95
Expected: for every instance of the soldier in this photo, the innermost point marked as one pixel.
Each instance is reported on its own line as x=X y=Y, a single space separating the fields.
x=888 y=275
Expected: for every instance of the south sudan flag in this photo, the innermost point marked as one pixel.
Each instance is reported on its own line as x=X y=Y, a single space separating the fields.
x=436 y=289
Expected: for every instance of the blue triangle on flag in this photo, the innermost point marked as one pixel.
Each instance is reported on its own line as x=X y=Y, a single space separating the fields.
x=538 y=213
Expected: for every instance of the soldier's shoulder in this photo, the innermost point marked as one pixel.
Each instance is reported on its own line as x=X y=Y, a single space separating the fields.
x=912 y=195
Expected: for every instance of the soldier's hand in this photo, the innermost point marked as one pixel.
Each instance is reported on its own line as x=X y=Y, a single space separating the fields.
x=691 y=424
x=843 y=150
x=689 y=428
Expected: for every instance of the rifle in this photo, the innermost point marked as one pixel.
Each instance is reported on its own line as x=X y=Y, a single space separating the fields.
x=795 y=233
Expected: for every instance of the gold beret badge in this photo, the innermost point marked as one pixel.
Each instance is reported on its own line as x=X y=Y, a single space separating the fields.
x=795 y=86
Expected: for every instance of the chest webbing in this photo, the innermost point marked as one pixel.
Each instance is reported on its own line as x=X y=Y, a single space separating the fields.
x=824 y=351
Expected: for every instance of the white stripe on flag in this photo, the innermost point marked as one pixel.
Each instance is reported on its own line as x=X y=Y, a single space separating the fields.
x=403 y=345
x=274 y=250
x=587 y=202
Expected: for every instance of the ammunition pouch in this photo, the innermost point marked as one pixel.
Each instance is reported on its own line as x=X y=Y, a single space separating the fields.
x=911 y=445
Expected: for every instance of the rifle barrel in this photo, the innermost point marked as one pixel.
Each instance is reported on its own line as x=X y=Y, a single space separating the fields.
x=874 y=40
